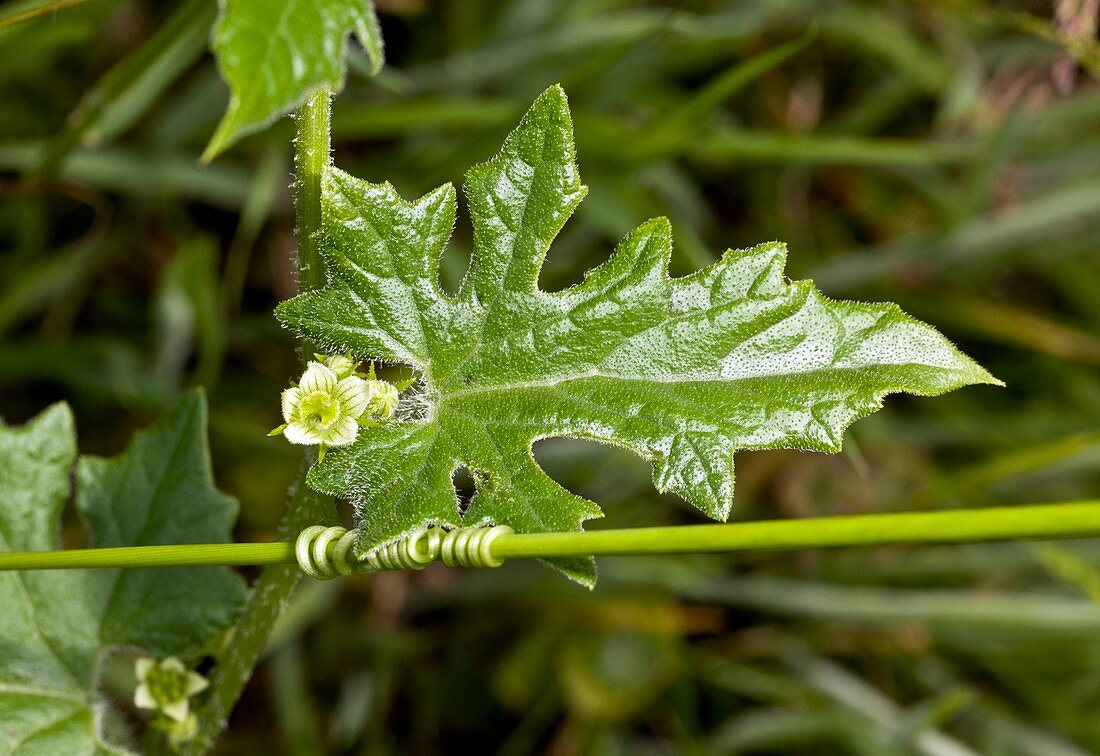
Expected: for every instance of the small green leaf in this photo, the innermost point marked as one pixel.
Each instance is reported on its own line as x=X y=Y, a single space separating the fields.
x=58 y=624
x=272 y=53
x=682 y=371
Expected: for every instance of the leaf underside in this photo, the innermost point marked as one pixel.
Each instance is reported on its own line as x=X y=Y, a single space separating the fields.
x=682 y=371
x=272 y=53
x=57 y=624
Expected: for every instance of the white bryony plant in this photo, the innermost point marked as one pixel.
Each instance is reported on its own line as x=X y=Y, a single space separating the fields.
x=332 y=401
x=166 y=686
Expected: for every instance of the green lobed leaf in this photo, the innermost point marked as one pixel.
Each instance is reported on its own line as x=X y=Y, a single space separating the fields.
x=272 y=53
x=681 y=371
x=56 y=625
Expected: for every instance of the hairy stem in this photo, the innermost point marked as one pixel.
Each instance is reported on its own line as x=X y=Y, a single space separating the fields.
x=312 y=153
x=306 y=507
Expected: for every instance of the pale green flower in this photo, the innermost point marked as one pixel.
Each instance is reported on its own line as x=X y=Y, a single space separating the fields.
x=332 y=401
x=166 y=686
x=323 y=409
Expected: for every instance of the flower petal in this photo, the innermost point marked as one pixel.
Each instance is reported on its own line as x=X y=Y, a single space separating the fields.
x=291 y=398
x=300 y=433
x=196 y=683
x=177 y=710
x=142 y=667
x=354 y=395
x=342 y=432
x=143 y=698
x=317 y=377
x=173 y=664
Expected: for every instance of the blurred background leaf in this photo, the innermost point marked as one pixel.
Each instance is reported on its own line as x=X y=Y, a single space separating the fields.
x=943 y=155
x=273 y=54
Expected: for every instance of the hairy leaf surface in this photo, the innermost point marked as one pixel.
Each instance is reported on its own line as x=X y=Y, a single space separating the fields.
x=56 y=625
x=681 y=371
x=272 y=53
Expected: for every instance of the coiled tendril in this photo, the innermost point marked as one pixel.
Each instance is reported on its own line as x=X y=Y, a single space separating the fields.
x=323 y=553
x=312 y=552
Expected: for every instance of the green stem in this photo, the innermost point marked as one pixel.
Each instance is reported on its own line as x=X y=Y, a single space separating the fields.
x=312 y=153
x=189 y=555
x=306 y=507
x=1034 y=521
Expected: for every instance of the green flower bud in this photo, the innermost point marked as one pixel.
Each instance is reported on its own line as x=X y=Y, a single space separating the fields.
x=384 y=397
x=343 y=365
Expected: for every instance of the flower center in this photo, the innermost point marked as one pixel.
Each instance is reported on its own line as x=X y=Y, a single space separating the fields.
x=167 y=685
x=320 y=409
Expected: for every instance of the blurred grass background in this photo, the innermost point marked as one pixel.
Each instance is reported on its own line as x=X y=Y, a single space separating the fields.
x=945 y=156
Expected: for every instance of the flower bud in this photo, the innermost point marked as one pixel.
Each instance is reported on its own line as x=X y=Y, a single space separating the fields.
x=383 y=400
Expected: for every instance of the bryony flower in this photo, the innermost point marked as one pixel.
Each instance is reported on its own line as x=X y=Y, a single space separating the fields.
x=165 y=686
x=333 y=400
x=324 y=408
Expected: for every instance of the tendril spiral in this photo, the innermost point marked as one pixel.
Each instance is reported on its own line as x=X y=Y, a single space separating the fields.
x=312 y=551
x=414 y=552
x=325 y=552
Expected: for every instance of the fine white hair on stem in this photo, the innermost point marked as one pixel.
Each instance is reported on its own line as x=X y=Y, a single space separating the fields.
x=416 y=404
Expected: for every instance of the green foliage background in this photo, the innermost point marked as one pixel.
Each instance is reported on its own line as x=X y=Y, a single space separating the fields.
x=917 y=154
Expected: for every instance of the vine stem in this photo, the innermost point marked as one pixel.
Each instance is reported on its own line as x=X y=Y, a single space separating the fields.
x=1034 y=521
x=305 y=507
x=312 y=154
x=1079 y=519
